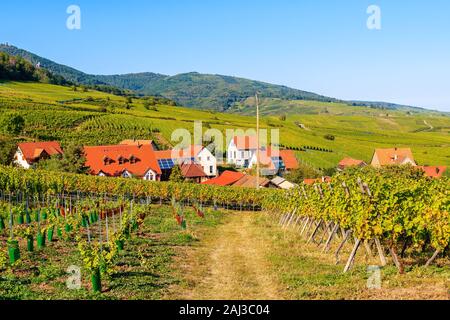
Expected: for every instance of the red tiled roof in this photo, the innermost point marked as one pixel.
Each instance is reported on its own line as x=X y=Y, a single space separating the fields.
x=265 y=157
x=433 y=171
x=245 y=142
x=350 y=162
x=393 y=156
x=288 y=156
x=248 y=181
x=190 y=152
x=192 y=170
x=318 y=180
x=225 y=179
x=133 y=142
x=289 y=159
x=144 y=155
x=33 y=150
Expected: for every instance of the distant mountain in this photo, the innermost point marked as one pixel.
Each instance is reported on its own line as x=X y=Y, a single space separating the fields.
x=202 y=91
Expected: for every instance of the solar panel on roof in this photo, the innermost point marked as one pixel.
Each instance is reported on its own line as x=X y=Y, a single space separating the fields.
x=166 y=164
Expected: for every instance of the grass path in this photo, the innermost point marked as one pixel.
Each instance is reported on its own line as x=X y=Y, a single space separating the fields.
x=248 y=256
x=230 y=263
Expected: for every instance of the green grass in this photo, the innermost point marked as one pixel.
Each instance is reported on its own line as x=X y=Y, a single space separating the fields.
x=358 y=130
x=307 y=273
x=143 y=271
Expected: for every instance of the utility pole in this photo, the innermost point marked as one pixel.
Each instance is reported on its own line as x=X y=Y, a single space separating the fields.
x=257 y=141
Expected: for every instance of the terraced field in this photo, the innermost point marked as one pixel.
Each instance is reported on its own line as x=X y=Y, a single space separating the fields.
x=55 y=112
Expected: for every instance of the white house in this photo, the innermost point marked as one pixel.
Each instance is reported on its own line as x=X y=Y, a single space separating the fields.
x=29 y=153
x=241 y=150
x=208 y=161
x=194 y=154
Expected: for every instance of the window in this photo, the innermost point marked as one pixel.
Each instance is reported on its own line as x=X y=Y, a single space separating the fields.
x=211 y=170
x=208 y=159
x=235 y=154
x=242 y=154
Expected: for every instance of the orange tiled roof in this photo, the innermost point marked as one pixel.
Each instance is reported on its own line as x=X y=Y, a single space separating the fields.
x=288 y=156
x=248 y=181
x=225 y=179
x=245 y=142
x=133 y=142
x=350 y=162
x=393 y=156
x=33 y=150
x=289 y=159
x=318 y=180
x=106 y=159
x=433 y=171
x=192 y=170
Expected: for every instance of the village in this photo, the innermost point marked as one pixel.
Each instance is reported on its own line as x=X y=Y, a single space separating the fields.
x=141 y=159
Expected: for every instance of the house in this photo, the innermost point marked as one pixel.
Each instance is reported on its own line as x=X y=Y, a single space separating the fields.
x=318 y=180
x=193 y=172
x=126 y=161
x=241 y=149
x=227 y=178
x=134 y=142
x=248 y=181
x=393 y=156
x=29 y=153
x=274 y=161
x=282 y=183
x=193 y=154
x=289 y=159
x=433 y=171
x=350 y=162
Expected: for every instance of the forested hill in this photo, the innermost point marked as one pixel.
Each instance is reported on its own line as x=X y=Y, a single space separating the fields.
x=19 y=69
x=202 y=91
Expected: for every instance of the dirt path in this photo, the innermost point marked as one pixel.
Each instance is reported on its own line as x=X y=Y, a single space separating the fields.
x=431 y=128
x=230 y=263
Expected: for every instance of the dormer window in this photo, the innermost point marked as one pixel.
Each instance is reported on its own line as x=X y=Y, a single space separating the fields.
x=106 y=161
x=121 y=160
x=133 y=159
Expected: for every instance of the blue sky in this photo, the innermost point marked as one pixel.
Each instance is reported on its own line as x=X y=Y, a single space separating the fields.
x=315 y=45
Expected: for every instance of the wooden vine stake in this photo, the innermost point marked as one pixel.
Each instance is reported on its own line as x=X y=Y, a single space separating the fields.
x=430 y=261
x=351 y=258
x=380 y=252
x=341 y=245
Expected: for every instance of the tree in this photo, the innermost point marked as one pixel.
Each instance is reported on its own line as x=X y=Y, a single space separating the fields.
x=303 y=172
x=73 y=161
x=176 y=175
x=7 y=149
x=283 y=117
x=329 y=172
x=13 y=123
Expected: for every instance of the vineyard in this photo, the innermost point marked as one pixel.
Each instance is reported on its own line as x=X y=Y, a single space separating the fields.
x=92 y=235
x=395 y=209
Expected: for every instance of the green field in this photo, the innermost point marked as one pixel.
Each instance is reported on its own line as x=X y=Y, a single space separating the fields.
x=59 y=113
